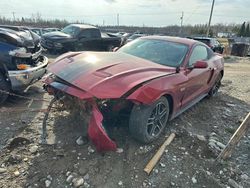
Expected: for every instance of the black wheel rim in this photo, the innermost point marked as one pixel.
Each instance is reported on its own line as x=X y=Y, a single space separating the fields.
x=157 y=120
x=216 y=87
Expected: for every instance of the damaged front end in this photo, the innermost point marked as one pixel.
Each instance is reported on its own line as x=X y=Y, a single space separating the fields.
x=21 y=57
x=98 y=113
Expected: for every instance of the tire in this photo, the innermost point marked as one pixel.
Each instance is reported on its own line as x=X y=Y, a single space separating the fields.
x=214 y=90
x=110 y=48
x=4 y=86
x=146 y=122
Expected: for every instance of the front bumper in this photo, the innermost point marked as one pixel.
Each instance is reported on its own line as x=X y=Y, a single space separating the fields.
x=21 y=79
x=96 y=130
x=50 y=45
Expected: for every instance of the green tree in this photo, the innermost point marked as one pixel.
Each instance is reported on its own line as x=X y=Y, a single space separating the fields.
x=247 y=32
x=242 y=30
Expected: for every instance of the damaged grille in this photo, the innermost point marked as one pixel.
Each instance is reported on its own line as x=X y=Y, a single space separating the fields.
x=35 y=49
x=46 y=43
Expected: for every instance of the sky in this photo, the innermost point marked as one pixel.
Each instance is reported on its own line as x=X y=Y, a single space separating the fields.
x=131 y=12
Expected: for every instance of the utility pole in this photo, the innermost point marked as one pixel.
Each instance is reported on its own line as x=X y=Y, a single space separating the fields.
x=118 y=20
x=210 y=18
x=182 y=17
x=14 y=18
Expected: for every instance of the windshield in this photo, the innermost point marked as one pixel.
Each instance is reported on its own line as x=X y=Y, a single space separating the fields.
x=71 y=30
x=159 y=51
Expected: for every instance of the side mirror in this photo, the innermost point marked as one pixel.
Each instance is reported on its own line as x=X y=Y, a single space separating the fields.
x=200 y=65
x=115 y=49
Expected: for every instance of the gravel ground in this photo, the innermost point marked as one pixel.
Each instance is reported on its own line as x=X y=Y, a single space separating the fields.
x=188 y=162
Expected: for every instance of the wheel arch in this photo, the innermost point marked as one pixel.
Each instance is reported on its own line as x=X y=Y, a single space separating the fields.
x=145 y=99
x=222 y=73
x=170 y=102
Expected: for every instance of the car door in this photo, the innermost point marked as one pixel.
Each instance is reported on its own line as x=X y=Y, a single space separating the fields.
x=196 y=84
x=89 y=39
x=84 y=42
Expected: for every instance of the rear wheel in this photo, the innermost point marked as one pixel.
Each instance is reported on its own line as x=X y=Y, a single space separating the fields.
x=147 y=122
x=214 y=90
x=4 y=87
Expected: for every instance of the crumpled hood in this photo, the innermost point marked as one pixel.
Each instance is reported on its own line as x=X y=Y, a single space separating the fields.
x=106 y=74
x=56 y=35
x=23 y=37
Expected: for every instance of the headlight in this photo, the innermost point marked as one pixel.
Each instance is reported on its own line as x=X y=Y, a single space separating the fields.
x=58 y=44
x=20 y=52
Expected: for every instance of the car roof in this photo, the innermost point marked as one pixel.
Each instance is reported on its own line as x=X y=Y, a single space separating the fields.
x=186 y=41
x=83 y=26
x=202 y=38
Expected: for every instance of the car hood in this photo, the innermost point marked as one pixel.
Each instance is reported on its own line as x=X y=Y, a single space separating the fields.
x=23 y=38
x=106 y=74
x=56 y=35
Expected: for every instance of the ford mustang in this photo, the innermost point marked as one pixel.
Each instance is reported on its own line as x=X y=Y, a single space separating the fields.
x=153 y=79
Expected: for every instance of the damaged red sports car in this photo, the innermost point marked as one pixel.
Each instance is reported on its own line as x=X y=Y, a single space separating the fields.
x=154 y=78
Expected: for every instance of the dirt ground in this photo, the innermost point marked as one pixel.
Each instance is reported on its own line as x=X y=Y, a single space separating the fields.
x=188 y=162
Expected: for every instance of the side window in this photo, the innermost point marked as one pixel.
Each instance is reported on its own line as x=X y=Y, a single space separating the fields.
x=95 y=33
x=85 y=33
x=36 y=31
x=198 y=53
x=90 y=33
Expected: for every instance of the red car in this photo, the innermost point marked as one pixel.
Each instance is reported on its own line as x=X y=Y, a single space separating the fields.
x=153 y=79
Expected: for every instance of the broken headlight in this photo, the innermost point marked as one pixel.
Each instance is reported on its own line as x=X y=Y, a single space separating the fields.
x=20 y=52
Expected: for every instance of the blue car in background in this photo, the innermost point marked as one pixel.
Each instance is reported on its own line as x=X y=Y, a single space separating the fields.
x=21 y=61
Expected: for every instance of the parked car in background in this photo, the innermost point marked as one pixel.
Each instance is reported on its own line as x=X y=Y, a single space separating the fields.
x=41 y=31
x=79 y=37
x=213 y=43
x=21 y=61
x=134 y=36
x=127 y=35
x=119 y=34
x=153 y=79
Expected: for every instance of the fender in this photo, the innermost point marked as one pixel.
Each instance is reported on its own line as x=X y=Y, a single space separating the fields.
x=169 y=85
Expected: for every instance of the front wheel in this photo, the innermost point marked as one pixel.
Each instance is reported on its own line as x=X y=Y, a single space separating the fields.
x=4 y=88
x=148 y=121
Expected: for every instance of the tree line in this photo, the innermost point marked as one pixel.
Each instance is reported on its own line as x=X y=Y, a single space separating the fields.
x=36 y=20
x=244 y=30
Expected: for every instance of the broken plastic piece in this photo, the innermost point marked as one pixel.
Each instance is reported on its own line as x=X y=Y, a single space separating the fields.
x=97 y=133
